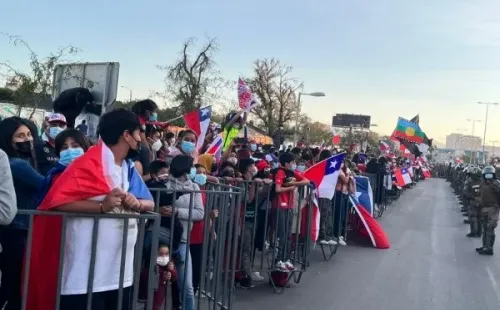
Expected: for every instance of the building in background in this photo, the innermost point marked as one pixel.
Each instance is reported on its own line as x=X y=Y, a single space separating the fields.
x=461 y=143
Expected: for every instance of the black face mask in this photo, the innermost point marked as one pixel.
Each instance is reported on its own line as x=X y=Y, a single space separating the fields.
x=24 y=147
x=134 y=153
x=214 y=167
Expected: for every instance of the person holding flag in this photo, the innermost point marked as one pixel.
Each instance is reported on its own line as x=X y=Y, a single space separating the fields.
x=234 y=122
x=103 y=180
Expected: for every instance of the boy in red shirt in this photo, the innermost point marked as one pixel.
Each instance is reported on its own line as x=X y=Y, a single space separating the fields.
x=286 y=180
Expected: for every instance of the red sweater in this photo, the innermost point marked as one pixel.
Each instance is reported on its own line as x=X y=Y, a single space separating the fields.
x=199 y=227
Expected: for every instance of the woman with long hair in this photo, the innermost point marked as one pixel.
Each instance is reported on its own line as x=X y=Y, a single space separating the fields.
x=16 y=140
x=188 y=210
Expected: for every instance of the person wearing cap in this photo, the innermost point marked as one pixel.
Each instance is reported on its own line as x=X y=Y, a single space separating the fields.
x=45 y=152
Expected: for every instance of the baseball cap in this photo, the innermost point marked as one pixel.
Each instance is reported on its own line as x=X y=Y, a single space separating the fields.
x=261 y=165
x=56 y=117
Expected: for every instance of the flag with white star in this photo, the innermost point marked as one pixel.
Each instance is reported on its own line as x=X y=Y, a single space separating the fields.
x=325 y=174
x=199 y=121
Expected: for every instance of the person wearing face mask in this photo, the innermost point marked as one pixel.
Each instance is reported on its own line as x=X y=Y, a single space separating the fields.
x=489 y=192
x=286 y=181
x=16 y=140
x=186 y=145
x=103 y=180
x=167 y=277
x=188 y=209
x=197 y=233
x=248 y=170
x=147 y=152
x=46 y=156
x=69 y=145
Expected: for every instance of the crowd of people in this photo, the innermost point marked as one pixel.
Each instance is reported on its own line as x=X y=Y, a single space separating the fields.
x=35 y=169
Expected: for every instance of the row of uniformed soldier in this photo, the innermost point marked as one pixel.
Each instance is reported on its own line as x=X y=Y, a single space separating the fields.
x=479 y=193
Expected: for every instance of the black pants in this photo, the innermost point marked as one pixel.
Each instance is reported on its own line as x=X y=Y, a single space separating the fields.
x=197 y=261
x=11 y=264
x=339 y=214
x=107 y=300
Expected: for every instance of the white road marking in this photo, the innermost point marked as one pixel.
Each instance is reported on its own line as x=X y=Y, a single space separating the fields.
x=493 y=284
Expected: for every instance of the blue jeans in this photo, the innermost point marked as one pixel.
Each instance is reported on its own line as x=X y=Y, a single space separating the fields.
x=185 y=268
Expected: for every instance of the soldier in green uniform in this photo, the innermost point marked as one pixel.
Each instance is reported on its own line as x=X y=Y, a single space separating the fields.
x=489 y=200
x=471 y=192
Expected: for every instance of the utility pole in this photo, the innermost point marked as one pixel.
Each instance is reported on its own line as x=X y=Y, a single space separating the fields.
x=486 y=125
x=493 y=149
x=473 y=124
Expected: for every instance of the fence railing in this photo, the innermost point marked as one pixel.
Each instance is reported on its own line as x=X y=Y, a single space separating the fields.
x=218 y=237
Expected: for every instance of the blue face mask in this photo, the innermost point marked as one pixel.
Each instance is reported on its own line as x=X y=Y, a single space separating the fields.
x=54 y=131
x=275 y=165
x=192 y=173
x=293 y=167
x=301 y=168
x=153 y=117
x=488 y=176
x=187 y=147
x=67 y=156
x=253 y=147
x=200 y=179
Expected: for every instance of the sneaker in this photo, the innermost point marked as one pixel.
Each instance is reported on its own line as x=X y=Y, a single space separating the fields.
x=289 y=266
x=342 y=241
x=281 y=266
x=332 y=242
x=256 y=276
x=323 y=242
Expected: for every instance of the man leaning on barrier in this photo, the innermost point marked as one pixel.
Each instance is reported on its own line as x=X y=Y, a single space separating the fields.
x=103 y=180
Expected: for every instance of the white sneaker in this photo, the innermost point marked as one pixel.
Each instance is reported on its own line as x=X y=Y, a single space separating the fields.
x=289 y=266
x=281 y=266
x=255 y=276
x=323 y=242
x=342 y=241
x=332 y=242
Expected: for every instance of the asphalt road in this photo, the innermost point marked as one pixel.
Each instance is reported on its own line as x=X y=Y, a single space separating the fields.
x=430 y=265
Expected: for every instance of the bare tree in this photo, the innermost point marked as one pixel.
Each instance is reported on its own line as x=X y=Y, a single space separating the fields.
x=276 y=88
x=33 y=87
x=193 y=80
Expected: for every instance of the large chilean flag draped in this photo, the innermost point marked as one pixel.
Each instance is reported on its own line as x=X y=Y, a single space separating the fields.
x=88 y=176
x=372 y=229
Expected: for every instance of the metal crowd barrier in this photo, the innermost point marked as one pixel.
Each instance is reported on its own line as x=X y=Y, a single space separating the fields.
x=216 y=271
x=269 y=235
x=138 y=220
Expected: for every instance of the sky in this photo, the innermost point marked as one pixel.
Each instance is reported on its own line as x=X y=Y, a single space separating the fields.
x=384 y=58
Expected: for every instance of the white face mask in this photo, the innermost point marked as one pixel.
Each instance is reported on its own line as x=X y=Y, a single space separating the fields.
x=488 y=176
x=156 y=146
x=171 y=141
x=162 y=260
x=233 y=160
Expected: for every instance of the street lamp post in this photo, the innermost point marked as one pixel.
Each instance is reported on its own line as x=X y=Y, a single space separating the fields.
x=493 y=149
x=473 y=124
x=315 y=94
x=486 y=124
x=130 y=92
